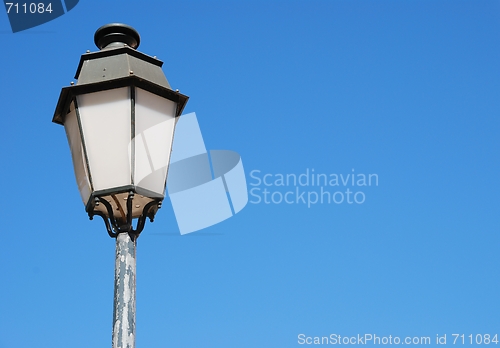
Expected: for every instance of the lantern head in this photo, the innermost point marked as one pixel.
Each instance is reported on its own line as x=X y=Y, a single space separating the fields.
x=120 y=119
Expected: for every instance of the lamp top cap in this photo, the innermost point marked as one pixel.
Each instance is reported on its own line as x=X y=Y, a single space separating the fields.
x=116 y=34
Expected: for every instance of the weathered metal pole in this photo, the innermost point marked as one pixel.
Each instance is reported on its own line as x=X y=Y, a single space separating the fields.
x=124 y=304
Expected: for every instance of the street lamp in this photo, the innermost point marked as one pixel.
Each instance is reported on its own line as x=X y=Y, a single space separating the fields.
x=120 y=119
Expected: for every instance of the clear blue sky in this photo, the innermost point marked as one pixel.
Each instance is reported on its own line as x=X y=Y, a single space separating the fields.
x=407 y=90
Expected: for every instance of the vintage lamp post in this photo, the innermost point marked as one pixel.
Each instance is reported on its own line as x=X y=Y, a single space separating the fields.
x=119 y=119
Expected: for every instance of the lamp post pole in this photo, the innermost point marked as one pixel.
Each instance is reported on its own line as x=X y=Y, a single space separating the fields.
x=124 y=299
x=120 y=119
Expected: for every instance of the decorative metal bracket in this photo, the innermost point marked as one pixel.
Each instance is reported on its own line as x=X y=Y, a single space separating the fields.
x=115 y=226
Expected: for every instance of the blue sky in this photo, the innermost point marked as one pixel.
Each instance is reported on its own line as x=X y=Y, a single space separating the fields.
x=406 y=90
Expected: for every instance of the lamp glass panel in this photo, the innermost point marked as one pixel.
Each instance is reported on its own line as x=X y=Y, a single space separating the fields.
x=75 y=144
x=106 y=127
x=154 y=132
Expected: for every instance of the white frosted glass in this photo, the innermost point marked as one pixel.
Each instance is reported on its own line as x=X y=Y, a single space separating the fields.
x=75 y=145
x=142 y=166
x=154 y=124
x=106 y=125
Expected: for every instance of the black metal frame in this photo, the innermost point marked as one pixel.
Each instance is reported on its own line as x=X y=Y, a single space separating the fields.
x=115 y=226
x=69 y=93
x=117 y=190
